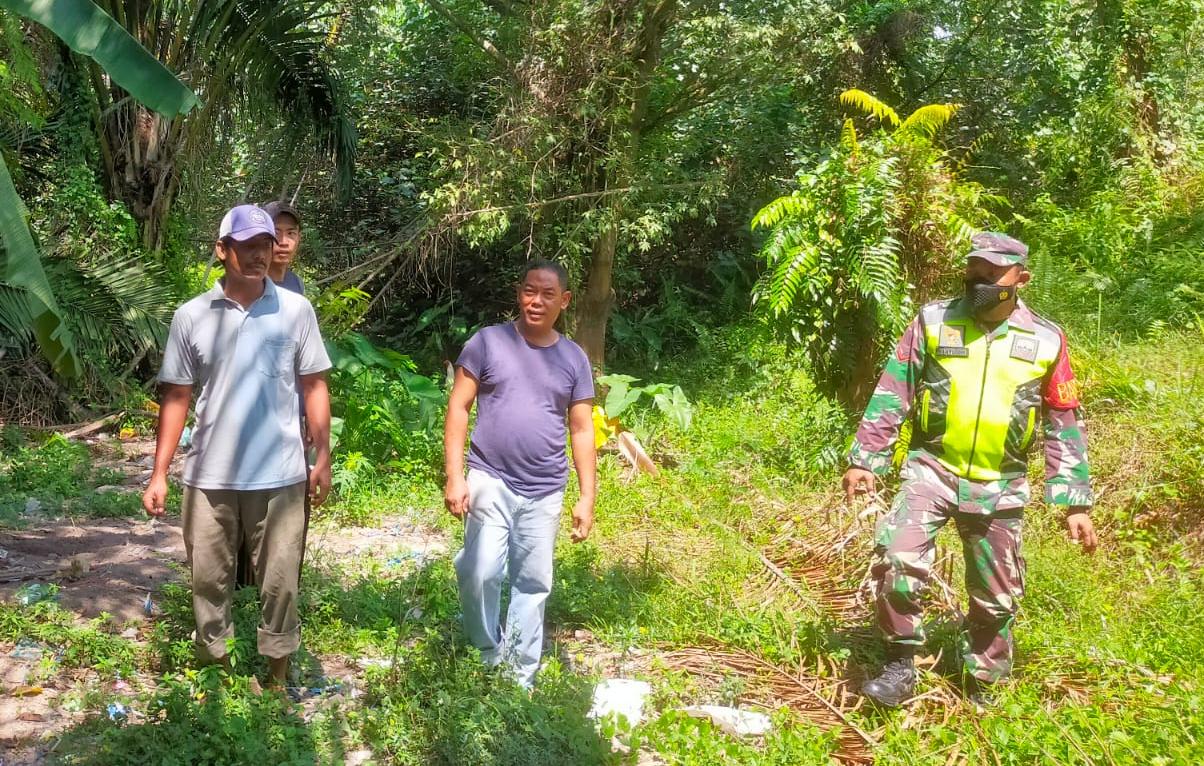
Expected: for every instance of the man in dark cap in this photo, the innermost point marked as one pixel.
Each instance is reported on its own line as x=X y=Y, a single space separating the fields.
x=976 y=375
x=288 y=241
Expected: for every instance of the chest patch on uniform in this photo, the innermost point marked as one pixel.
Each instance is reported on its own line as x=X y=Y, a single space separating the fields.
x=952 y=341
x=1024 y=349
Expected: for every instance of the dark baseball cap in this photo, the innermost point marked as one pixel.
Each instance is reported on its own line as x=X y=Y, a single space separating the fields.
x=999 y=249
x=277 y=207
x=246 y=221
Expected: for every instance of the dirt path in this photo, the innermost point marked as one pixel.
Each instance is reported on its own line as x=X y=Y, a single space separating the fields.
x=105 y=566
x=111 y=566
x=100 y=567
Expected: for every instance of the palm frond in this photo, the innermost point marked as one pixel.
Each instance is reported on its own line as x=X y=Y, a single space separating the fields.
x=286 y=62
x=789 y=275
x=879 y=275
x=848 y=137
x=117 y=303
x=306 y=86
x=859 y=99
x=960 y=229
x=789 y=206
x=929 y=119
x=16 y=316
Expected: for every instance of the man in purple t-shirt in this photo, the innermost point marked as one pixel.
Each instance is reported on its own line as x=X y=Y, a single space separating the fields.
x=525 y=378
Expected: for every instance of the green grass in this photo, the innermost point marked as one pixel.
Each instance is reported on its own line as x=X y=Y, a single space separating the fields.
x=58 y=475
x=1122 y=629
x=441 y=706
x=376 y=495
x=1145 y=421
x=1110 y=648
x=65 y=642
x=200 y=717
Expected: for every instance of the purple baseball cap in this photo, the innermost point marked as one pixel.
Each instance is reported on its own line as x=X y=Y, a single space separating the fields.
x=246 y=221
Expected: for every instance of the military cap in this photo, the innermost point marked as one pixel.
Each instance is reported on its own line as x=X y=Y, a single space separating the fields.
x=999 y=249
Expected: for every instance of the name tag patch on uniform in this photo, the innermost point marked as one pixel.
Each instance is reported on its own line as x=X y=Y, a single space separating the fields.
x=1024 y=349
x=952 y=341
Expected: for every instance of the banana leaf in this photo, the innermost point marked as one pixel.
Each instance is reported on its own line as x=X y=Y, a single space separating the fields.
x=88 y=30
x=22 y=268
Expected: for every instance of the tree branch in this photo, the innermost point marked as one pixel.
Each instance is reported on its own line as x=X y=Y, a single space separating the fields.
x=453 y=217
x=482 y=43
x=955 y=53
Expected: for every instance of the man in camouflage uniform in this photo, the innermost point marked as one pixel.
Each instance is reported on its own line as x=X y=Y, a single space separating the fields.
x=975 y=374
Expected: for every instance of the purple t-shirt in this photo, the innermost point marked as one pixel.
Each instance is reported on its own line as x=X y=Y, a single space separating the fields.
x=522 y=407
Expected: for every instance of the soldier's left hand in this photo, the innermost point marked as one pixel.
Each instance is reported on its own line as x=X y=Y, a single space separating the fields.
x=1081 y=530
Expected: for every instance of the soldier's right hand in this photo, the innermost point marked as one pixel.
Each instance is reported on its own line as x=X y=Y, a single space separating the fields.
x=857 y=481
x=455 y=496
x=1081 y=530
x=155 y=496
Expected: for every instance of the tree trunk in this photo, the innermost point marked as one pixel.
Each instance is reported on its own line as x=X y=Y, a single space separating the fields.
x=139 y=148
x=163 y=195
x=599 y=296
x=863 y=378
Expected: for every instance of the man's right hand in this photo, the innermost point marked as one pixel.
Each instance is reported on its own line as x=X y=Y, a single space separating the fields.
x=455 y=496
x=857 y=481
x=155 y=497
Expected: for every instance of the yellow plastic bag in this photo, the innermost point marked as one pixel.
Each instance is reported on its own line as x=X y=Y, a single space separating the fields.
x=604 y=428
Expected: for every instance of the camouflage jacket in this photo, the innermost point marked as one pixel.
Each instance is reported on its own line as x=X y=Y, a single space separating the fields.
x=974 y=398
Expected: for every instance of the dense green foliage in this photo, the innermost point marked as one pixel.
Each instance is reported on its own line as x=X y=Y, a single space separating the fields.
x=635 y=141
x=876 y=228
x=631 y=144
x=386 y=414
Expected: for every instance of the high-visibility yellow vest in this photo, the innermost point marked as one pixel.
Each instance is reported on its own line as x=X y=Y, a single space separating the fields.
x=979 y=401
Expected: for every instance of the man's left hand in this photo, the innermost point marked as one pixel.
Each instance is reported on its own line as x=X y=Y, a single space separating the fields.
x=583 y=519
x=1081 y=530
x=319 y=482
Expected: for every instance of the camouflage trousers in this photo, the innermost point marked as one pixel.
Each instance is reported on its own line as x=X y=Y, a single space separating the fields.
x=904 y=553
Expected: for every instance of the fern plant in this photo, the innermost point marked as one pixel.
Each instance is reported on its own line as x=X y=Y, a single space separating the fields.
x=874 y=227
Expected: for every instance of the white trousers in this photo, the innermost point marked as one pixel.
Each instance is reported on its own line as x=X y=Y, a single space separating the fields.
x=504 y=533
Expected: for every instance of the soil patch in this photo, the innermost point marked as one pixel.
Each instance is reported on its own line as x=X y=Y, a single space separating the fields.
x=107 y=565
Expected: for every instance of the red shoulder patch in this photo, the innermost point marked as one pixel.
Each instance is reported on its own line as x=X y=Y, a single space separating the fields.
x=1062 y=390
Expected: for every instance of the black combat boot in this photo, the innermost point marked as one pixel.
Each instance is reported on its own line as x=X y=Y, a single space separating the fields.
x=981 y=694
x=897 y=681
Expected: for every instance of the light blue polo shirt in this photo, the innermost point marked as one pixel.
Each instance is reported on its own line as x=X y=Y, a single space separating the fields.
x=245 y=362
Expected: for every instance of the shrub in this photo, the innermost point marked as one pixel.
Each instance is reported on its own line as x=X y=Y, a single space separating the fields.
x=875 y=225
x=384 y=410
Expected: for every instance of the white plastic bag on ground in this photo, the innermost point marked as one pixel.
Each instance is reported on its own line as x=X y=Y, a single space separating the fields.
x=737 y=723
x=621 y=696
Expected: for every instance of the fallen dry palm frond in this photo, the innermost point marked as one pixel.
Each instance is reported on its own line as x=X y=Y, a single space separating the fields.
x=1062 y=678
x=829 y=552
x=807 y=696
x=648 y=544
x=779 y=584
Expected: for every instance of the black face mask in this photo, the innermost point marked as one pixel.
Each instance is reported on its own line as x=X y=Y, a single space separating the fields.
x=983 y=297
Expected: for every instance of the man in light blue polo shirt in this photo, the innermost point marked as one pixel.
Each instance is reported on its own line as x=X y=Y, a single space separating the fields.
x=245 y=346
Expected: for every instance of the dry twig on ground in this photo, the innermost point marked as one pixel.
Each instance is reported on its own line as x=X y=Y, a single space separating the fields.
x=807 y=696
